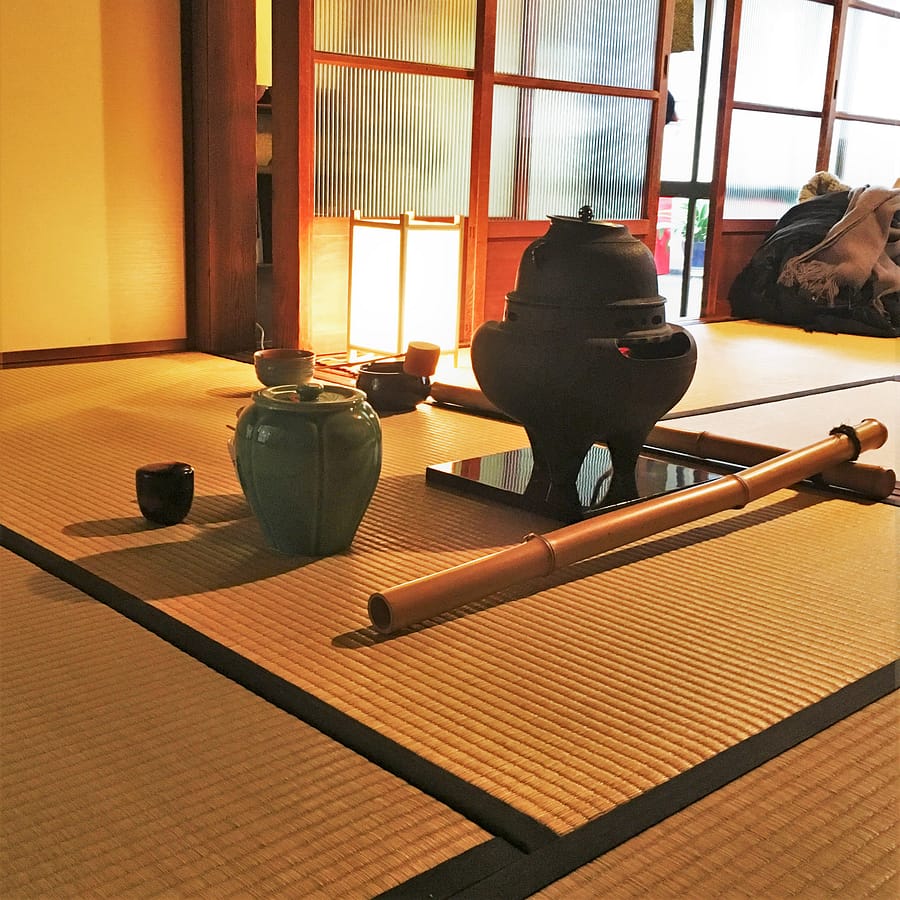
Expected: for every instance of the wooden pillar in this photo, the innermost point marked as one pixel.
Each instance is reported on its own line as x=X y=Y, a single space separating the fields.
x=713 y=305
x=475 y=261
x=220 y=127
x=293 y=155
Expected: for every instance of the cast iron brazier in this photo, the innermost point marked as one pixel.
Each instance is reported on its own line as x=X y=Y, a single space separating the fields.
x=584 y=354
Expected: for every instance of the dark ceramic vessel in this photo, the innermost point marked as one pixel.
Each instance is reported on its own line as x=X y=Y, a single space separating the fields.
x=165 y=491
x=584 y=355
x=308 y=460
x=389 y=389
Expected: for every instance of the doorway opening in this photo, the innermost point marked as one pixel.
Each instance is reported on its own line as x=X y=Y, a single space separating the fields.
x=687 y=165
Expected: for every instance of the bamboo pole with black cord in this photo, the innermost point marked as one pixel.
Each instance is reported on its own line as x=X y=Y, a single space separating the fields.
x=539 y=555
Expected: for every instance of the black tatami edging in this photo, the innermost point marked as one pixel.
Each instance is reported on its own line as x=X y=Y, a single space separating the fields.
x=775 y=398
x=547 y=864
x=494 y=816
x=456 y=874
x=524 y=855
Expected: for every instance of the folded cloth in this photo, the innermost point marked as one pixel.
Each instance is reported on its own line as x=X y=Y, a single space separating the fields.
x=863 y=246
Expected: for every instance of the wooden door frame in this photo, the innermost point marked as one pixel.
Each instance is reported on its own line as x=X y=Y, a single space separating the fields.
x=219 y=83
x=221 y=168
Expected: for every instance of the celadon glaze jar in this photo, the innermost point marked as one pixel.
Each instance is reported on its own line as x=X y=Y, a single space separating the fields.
x=308 y=458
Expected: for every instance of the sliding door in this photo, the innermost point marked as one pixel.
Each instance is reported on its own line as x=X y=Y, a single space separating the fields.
x=502 y=112
x=805 y=88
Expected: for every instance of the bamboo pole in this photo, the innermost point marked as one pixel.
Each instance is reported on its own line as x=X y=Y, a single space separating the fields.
x=539 y=555
x=870 y=481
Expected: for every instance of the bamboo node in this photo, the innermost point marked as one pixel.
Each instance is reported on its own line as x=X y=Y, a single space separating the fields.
x=745 y=490
x=551 y=553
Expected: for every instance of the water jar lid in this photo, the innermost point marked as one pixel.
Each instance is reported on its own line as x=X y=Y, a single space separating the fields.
x=310 y=397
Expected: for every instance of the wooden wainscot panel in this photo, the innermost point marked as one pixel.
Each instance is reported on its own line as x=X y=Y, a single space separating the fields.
x=739 y=239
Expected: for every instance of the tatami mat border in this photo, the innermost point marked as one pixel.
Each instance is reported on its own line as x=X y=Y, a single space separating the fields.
x=688 y=412
x=775 y=398
x=525 y=856
x=571 y=851
x=486 y=811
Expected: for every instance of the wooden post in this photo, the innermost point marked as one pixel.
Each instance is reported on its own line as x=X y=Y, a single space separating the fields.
x=475 y=259
x=293 y=172
x=221 y=177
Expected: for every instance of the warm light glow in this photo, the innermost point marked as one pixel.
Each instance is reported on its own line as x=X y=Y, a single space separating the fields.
x=405 y=283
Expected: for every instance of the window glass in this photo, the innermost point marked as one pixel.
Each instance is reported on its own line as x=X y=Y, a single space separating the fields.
x=441 y=32
x=574 y=150
x=865 y=153
x=771 y=157
x=579 y=40
x=391 y=142
x=867 y=86
x=783 y=53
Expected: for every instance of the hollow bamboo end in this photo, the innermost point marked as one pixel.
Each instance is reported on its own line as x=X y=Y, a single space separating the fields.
x=380 y=613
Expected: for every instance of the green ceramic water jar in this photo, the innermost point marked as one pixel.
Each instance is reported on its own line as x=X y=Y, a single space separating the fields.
x=308 y=459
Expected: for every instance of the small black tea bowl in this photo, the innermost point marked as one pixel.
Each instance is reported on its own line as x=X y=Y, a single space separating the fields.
x=390 y=389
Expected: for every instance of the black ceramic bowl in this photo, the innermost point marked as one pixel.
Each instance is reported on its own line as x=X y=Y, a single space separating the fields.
x=390 y=389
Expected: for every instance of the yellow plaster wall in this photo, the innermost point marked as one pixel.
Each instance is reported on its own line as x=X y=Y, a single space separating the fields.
x=264 y=42
x=91 y=180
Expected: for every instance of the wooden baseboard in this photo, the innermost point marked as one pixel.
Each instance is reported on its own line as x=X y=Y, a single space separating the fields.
x=16 y=359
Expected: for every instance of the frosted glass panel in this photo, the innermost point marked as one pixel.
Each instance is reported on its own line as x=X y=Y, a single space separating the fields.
x=578 y=40
x=583 y=149
x=783 y=53
x=504 y=155
x=868 y=84
x=772 y=156
x=863 y=153
x=389 y=142
x=428 y=31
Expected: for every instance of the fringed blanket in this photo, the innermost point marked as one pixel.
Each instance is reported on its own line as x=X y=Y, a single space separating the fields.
x=831 y=263
x=860 y=247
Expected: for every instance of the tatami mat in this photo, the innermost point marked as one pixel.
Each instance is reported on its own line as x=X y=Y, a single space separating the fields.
x=819 y=821
x=798 y=421
x=131 y=770
x=564 y=698
x=743 y=361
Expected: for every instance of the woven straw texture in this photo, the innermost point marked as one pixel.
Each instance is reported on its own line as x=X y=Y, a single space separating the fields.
x=563 y=698
x=131 y=770
x=745 y=361
x=799 y=420
x=819 y=821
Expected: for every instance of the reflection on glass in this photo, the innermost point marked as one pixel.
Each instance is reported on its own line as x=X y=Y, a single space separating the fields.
x=771 y=157
x=441 y=33
x=783 y=53
x=866 y=86
x=582 y=149
x=863 y=153
x=579 y=40
x=387 y=142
